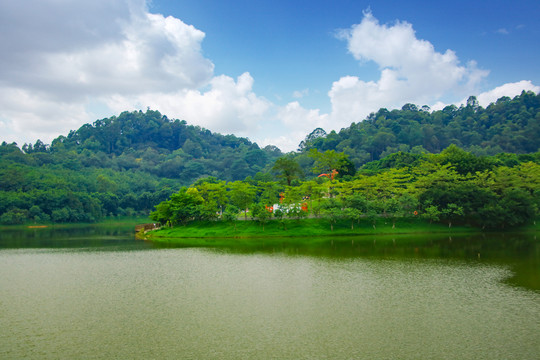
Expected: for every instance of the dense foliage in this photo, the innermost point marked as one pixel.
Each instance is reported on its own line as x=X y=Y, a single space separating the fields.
x=506 y=126
x=454 y=186
x=122 y=165
x=126 y=165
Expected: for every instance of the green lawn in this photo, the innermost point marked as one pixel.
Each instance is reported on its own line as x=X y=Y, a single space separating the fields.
x=300 y=228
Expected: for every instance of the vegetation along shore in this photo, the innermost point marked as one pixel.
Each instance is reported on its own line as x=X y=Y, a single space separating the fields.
x=466 y=167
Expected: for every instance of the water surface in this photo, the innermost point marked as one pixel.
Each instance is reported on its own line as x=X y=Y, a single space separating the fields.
x=100 y=294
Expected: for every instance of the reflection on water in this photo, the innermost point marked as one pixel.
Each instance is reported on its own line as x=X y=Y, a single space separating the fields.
x=106 y=237
x=87 y=294
x=519 y=251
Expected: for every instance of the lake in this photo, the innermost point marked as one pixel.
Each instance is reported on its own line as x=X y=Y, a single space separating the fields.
x=97 y=293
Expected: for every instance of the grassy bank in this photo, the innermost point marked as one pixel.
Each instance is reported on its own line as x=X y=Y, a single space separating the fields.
x=299 y=228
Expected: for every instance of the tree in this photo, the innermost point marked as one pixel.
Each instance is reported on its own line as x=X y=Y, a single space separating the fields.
x=231 y=214
x=431 y=213
x=355 y=205
x=463 y=161
x=242 y=195
x=515 y=207
x=14 y=216
x=331 y=160
x=183 y=205
x=452 y=212
x=162 y=214
x=332 y=211
x=473 y=103
x=269 y=193
x=305 y=144
x=313 y=191
x=287 y=168
x=261 y=213
x=214 y=195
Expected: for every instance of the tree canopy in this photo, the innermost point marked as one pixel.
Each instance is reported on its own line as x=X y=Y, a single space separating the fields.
x=506 y=126
x=128 y=164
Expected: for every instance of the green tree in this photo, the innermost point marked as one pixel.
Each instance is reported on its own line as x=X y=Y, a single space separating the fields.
x=452 y=212
x=330 y=160
x=184 y=205
x=163 y=213
x=431 y=213
x=215 y=198
x=14 y=216
x=315 y=192
x=269 y=192
x=261 y=213
x=332 y=210
x=355 y=206
x=287 y=168
x=242 y=195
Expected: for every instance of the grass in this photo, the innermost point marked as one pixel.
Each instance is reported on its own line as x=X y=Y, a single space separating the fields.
x=311 y=228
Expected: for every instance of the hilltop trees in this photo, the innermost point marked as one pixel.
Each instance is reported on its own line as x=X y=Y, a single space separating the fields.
x=508 y=125
x=448 y=164
x=122 y=165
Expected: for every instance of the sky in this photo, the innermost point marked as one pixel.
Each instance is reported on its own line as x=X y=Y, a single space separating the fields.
x=271 y=71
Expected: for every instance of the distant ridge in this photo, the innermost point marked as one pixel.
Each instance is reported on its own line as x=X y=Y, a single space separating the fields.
x=508 y=125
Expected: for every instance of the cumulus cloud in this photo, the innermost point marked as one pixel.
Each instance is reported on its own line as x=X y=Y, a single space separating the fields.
x=26 y=117
x=71 y=54
x=66 y=63
x=411 y=70
x=228 y=106
x=295 y=123
x=76 y=50
x=510 y=90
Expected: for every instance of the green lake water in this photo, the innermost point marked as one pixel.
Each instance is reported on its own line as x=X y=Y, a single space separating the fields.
x=97 y=293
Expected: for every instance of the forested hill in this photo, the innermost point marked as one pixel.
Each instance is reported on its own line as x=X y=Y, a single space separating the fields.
x=121 y=165
x=150 y=142
x=508 y=125
x=128 y=164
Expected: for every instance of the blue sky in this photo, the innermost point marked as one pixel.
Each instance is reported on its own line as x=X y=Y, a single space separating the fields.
x=291 y=46
x=269 y=70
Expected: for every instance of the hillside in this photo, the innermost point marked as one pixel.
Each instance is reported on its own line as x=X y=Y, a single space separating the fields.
x=506 y=126
x=118 y=166
x=127 y=164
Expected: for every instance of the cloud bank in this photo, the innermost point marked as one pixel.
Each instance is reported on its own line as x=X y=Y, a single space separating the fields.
x=64 y=64
x=411 y=71
x=70 y=55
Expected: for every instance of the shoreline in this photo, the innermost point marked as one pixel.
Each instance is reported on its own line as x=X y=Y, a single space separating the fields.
x=305 y=229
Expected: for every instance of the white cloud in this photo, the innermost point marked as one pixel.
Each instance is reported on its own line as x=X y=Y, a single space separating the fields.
x=511 y=90
x=294 y=116
x=228 y=106
x=26 y=117
x=140 y=51
x=60 y=57
x=66 y=63
x=293 y=122
x=411 y=71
